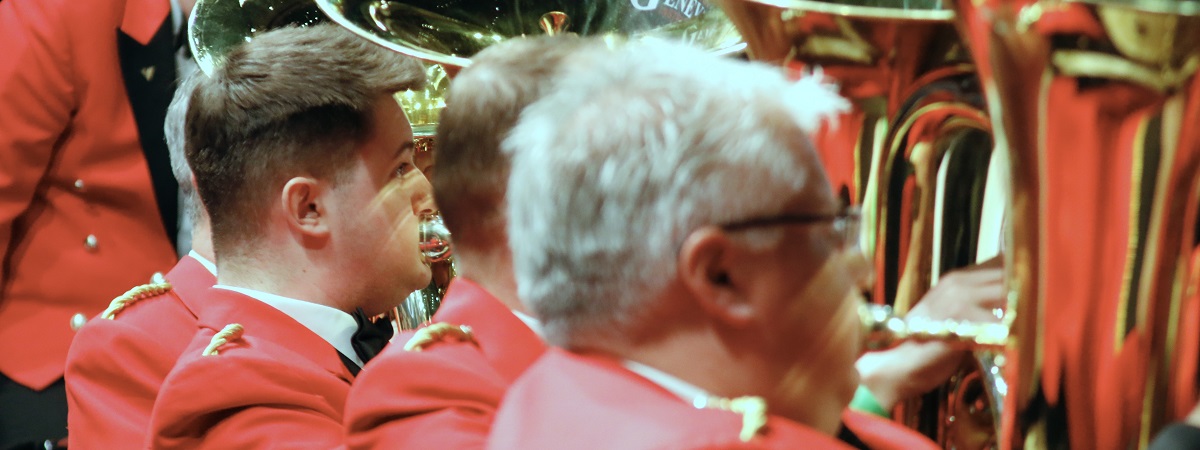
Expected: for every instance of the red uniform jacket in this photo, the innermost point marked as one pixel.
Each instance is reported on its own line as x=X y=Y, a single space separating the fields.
x=278 y=385
x=116 y=367
x=444 y=396
x=79 y=220
x=575 y=401
x=881 y=434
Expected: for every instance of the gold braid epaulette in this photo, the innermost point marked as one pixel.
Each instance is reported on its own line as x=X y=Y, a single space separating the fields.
x=438 y=332
x=132 y=296
x=753 y=411
x=231 y=332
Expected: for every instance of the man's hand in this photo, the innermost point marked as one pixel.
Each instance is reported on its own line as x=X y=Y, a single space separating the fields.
x=972 y=294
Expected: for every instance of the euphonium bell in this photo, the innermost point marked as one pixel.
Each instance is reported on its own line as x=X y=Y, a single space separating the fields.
x=449 y=33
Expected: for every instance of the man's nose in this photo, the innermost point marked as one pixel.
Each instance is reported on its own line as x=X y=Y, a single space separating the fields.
x=423 y=202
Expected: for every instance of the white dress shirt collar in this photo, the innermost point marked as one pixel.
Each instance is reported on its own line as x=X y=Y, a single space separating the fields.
x=531 y=322
x=212 y=268
x=686 y=391
x=333 y=325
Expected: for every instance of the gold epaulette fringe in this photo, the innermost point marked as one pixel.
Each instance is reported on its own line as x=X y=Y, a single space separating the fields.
x=132 y=296
x=231 y=332
x=438 y=332
x=752 y=409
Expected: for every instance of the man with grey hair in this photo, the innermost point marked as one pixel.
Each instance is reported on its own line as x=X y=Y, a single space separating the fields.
x=673 y=230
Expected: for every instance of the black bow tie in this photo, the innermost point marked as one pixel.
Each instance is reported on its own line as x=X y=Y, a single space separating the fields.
x=371 y=336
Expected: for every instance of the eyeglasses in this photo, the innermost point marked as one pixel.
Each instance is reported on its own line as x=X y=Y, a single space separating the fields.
x=846 y=223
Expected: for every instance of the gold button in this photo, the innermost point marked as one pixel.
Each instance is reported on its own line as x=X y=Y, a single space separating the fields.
x=79 y=186
x=77 y=321
x=158 y=278
x=90 y=242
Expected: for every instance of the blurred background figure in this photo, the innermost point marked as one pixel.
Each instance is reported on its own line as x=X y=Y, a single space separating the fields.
x=88 y=204
x=117 y=363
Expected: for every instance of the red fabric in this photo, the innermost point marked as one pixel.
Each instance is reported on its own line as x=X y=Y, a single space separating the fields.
x=1088 y=185
x=116 y=367
x=444 y=396
x=882 y=434
x=584 y=402
x=278 y=386
x=67 y=117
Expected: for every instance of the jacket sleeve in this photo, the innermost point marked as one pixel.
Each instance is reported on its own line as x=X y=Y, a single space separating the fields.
x=443 y=397
x=38 y=93
x=113 y=373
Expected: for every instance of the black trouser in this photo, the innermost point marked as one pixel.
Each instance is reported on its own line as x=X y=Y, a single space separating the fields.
x=28 y=418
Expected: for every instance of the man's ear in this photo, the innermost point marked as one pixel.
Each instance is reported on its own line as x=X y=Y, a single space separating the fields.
x=706 y=267
x=303 y=201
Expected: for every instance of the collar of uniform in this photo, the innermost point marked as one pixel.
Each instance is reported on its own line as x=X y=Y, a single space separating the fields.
x=685 y=391
x=333 y=325
x=212 y=268
x=189 y=279
x=508 y=343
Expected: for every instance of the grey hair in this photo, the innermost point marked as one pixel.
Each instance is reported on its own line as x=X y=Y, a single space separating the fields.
x=174 y=130
x=635 y=149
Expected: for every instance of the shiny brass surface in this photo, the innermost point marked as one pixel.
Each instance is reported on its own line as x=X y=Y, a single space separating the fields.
x=450 y=32
x=883 y=329
x=217 y=26
x=425 y=105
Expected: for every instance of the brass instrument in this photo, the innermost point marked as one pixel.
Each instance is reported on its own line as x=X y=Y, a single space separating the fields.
x=916 y=153
x=1095 y=103
x=217 y=26
x=449 y=33
x=418 y=308
x=882 y=329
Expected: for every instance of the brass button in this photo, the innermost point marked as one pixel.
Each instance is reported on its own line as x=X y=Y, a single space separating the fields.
x=79 y=186
x=77 y=321
x=90 y=243
x=158 y=278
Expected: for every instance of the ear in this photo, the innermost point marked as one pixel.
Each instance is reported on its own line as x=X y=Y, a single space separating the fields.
x=303 y=200
x=706 y=266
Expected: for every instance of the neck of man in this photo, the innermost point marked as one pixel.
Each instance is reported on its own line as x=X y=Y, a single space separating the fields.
x=492 y=270
x=726 y=363
x=202 y=237
x=290 y=273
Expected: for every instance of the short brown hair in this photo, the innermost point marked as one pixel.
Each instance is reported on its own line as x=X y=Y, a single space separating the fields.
x=482 y=105
x=292 y=101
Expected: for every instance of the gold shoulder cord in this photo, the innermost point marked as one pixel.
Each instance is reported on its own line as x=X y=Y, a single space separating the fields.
x=753 y=411
x=132 y=296
x=231 y=332
x=438 y=332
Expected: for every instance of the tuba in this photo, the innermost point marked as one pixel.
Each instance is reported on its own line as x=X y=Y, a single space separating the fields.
x=1094 y=101
x=916 y=153
x=217 y=26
